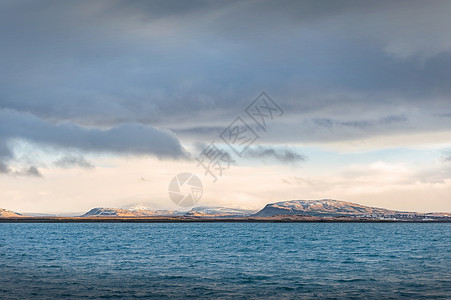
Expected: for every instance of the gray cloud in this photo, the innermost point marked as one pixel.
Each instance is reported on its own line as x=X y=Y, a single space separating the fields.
x=360 y=124
x=281 y=154
x=97 y=72
x=31 y=171
x=446 y=157
x=200 y=148
x=337 y=127
x=70 y=161
x=126 y=139
x=4 y=168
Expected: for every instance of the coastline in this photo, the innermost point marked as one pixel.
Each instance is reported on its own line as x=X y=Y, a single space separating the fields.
x=295 y=219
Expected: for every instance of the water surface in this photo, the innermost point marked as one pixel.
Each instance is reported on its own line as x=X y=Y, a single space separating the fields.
x=225 y=260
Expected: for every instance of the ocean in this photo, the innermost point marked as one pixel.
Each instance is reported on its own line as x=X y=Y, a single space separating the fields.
x=225 y=260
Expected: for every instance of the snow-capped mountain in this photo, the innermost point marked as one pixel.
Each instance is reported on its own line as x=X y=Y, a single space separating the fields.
x=325 y=207
x=205 y=211
x=118 y=212
x=201 y=211
x=4 y=213
x=318 y=209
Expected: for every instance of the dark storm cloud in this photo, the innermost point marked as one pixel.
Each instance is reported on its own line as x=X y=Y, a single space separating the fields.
x=340 y=69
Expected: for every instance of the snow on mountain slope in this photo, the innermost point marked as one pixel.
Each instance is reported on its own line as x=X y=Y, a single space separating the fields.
x=118 y=212
x=202 y=211
x=205 y=211
x=325 y=207
x=4 y=213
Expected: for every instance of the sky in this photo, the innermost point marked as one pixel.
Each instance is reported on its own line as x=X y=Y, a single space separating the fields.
x=103 y=102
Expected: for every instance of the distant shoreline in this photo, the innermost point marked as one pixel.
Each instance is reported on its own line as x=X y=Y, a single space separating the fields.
x=204 y=220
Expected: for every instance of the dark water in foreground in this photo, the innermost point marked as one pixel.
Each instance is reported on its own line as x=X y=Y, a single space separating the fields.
x=239 y=260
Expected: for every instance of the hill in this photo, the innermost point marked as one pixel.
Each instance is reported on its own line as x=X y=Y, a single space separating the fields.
x=4 y=213
x=323 y=208
x=118 y=212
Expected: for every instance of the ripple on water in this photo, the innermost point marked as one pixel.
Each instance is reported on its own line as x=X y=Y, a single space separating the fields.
x=221 y=260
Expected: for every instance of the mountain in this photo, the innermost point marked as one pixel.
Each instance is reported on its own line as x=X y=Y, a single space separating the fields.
x=205 y=211
x=328 y=208
x=202 y=211
x=313 y=209
x=323 y=208
x=294 y=210
x=118 y=212
x=4 y=213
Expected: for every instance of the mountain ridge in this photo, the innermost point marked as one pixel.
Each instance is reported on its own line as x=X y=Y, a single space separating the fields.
x=121 y=212
x=338 y=208
x=199 y=211
x=324 y=208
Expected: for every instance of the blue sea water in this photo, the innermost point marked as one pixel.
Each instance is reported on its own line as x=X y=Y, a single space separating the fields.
x=225 y=260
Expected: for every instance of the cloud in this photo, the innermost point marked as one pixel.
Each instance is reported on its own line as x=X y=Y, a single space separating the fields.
x=446 y=157
x=126 y=139
x=212 y=149
x=4 y=169
x=70 y=161
x=199 y=63
x=6 y=156
x=135 y=139
x=336 y=125
x=280 y=154
x=33 y=171
x=340 y=70
x=30 y=172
